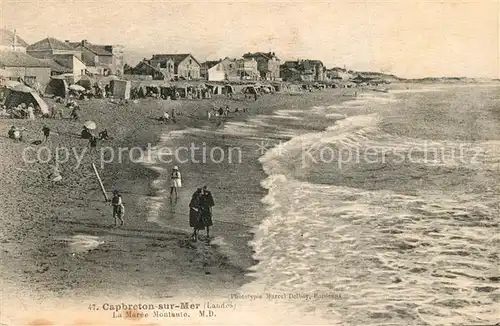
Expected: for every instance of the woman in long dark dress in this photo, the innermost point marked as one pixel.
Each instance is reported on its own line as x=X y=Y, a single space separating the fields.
x=206 y=204
x=194 y=214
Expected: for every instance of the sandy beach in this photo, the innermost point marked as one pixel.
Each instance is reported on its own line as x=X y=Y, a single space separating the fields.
x=58 y=242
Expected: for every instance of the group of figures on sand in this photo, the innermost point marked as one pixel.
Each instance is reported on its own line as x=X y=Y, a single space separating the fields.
x=200 y=211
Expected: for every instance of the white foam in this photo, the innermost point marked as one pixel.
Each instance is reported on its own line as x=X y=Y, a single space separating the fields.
x=378 y=251
x=82 y=243
x=315 y=234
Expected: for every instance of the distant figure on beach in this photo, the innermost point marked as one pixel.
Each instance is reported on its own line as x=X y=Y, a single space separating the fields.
x=176 y=181
x=165 y=117
x=55 y=175
x=206 y=204
x=173 y=115
x=46 y=133
x=209 y=114
x=118 y=208
x=103 y=135
x=355 y=94
x=59 y=112
x=221 y=111
x=31 y=112
x=194 y=214
x=53 y=111
x=85 y=133
x=74 y=113
x=92 y=143
x=15 y=133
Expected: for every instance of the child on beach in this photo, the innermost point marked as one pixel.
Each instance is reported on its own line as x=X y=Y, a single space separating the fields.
x=74 y=113
x=118 y=208
x=93 y=143
x=46 y=133
x=176 y=181
x=165 y=117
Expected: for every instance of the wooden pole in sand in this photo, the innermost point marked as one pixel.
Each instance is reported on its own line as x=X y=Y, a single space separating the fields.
x=100 y=183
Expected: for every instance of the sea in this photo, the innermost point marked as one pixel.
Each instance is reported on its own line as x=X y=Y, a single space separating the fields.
x=382 y=210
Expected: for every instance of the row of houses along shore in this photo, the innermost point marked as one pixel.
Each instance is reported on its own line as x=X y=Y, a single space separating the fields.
x=38 y=62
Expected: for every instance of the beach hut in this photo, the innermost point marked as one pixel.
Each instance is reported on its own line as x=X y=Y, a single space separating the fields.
x=57 y=87
x=106 y=80
x=153 y=90
x=228 y=89
x=215 y=89
x=278 y=87
x=141 y=91
x=121 y=89
x=249 y=90
x=69 y=78
x=86 y=82
x=181 y=90
x=294 y=88
x=24 y=94
x=167 y=91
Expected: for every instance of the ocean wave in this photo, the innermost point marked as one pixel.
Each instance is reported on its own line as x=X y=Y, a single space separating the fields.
x=426 y=258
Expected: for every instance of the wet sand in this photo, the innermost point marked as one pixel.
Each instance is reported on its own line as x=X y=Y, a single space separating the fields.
x=58 y=242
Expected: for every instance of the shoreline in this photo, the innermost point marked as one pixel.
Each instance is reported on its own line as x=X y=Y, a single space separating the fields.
x=54 y=268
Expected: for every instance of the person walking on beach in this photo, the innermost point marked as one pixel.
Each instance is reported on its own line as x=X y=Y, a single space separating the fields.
x=194 y=214
x=46 y=133
x=172 y=114
x=176 y=182
x=118 y=208
x=93 y=143
x=206 y=204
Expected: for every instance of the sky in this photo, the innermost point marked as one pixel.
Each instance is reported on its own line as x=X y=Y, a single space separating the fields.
x=406 y=37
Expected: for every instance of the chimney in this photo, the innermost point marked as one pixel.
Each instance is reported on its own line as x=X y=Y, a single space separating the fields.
x=84 y=42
